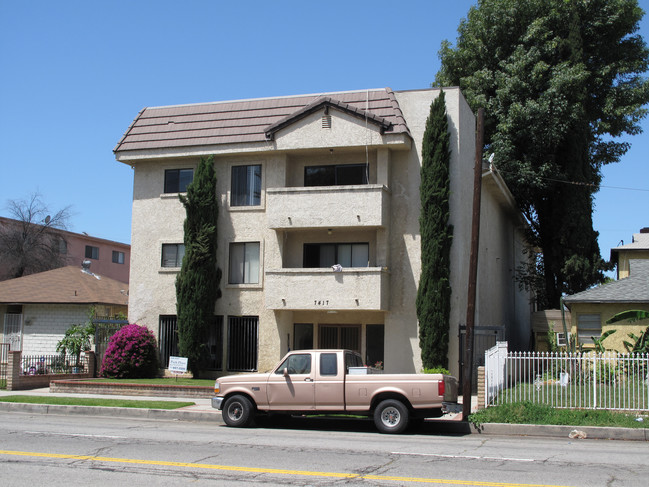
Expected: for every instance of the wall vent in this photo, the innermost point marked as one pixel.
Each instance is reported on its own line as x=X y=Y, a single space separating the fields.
x=326 y=121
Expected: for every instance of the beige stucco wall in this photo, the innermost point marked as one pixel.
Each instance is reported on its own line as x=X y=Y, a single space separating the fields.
x=394 y=239
x=625 y=257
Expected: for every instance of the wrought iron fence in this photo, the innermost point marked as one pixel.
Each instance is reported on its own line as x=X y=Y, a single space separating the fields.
x=52 y=364
x=568 y=380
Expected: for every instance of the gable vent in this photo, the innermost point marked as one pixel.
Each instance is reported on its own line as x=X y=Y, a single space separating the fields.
x=326 y=121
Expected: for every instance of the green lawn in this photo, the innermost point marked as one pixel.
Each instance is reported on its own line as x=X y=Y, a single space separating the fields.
x=526 y=412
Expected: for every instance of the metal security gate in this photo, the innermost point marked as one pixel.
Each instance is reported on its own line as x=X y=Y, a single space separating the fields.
x=104 y=330
x=13 y=331
x=484 y=337
x=4 y=359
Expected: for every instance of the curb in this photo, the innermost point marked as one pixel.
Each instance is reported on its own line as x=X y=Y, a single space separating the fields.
x=443 y=427
x=136 y=413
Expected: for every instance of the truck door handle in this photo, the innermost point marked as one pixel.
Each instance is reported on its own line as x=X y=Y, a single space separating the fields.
x=308 y=379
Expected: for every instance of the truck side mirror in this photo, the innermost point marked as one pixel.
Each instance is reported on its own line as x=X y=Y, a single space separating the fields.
x=285 y=372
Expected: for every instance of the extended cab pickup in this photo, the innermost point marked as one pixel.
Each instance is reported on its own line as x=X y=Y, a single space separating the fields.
x=332 y=381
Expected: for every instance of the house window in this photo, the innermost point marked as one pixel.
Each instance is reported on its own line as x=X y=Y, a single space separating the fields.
x=172 y=255
x=345 y=254
x=60 y=246
x=118 y=257
x=335 y=175
x=588 y=326
x=215 y=344
x=243 y=337
x=92 y=252
x=244 y=263
x=167 y=338
x=177 y=180
x=246 y=186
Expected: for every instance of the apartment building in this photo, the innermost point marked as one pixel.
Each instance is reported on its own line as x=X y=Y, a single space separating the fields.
x=107 y=258
x=318 y=230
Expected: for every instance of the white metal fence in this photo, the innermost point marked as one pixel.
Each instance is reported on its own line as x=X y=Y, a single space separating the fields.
x=564 y=380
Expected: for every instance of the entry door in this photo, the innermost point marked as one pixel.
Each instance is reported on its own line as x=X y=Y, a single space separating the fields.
x=340 y=336
x=291 y=386
x=14 y=331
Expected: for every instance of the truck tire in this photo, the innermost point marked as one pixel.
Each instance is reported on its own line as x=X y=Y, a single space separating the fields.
x=238 y=411
x=391 y=416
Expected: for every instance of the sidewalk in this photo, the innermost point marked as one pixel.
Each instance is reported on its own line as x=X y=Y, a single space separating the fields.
x=202 y=411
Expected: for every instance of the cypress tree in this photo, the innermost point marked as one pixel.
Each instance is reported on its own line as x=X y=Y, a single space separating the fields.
x=434 y=292
x=197 y=285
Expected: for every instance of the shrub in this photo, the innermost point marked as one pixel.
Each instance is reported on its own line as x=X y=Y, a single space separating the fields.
x=132 y=353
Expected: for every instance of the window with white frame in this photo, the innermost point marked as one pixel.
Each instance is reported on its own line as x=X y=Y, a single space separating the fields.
x=172 y=255
x=246 y=186
x=589 y=326
x=118 y=257
x=92 y=252
x=244 y=263
x=329 y=254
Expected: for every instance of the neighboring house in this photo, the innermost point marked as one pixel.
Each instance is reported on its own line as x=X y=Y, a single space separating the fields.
x=305 y=183
x=591 y=309
x=108 y=258
x=39 y=308
x=637 y=249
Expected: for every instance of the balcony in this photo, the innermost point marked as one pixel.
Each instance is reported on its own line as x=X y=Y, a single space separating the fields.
x=358 y=288
x=328 y=207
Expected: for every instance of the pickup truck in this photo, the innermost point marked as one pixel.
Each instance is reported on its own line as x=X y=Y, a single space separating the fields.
x=334 y=381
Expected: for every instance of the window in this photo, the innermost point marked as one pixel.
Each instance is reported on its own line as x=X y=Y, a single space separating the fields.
x=59 y=245
x=246 y=186
x=167 y=338
x=328 y=364
x=215 y=344
x=244 y=263
x=172 y=255
x=588 y=326
x=302 y=336
x=345 y=254
x=92 y=252
x=335 y=175
x=118 y=257
x=177 y=180
x=296 y=364
x=243 y=337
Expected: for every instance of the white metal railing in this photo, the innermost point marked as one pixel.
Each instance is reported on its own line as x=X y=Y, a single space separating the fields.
x=568 y=380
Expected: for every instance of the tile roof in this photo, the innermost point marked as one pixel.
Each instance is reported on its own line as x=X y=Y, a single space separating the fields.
x=632 y=289
x=65 y=285
x=640 y=242
x=240 y=121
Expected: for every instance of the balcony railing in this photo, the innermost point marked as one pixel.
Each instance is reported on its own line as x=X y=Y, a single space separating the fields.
x=328 y=207
x=358 y=288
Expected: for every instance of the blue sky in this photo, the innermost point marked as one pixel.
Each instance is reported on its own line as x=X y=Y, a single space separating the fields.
x=74 y=74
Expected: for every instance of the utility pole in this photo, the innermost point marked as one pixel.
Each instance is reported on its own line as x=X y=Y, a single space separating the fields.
x=473 y=270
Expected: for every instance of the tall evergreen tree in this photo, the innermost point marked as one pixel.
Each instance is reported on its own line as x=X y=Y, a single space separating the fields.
x=560 y=80
x=197 y=285
x=434 y=292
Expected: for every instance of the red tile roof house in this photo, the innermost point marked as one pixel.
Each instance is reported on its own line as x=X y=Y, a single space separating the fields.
x=39 y=308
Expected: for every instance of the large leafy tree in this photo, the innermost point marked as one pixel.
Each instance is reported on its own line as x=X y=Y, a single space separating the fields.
x=434 y=292
x=197 y=285
x=32 y=242
x=560 y=81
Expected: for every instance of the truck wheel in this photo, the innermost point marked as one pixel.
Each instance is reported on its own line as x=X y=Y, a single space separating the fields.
x=238 y=411
x=391 y=416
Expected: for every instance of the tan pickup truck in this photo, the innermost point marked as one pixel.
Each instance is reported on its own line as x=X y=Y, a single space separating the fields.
x=334 y=381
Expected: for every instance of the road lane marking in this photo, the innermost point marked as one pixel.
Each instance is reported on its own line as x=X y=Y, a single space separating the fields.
x=275 y=471
x=75 y=435
x=463 y=457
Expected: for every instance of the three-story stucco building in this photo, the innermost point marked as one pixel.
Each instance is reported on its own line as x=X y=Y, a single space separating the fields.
x=318 y=230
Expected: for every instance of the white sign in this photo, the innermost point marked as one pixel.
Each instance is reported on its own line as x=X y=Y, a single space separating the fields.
x=178 y=365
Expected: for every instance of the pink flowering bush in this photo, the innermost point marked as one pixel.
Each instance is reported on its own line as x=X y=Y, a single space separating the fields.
x=132 y=353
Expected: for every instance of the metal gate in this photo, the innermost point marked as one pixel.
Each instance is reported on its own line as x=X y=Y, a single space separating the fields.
x=104 y=330
x=13 y=331
x=4 y=360
x=484 y=337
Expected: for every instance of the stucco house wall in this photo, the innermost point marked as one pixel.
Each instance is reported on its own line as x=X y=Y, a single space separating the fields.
x=385 y=215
